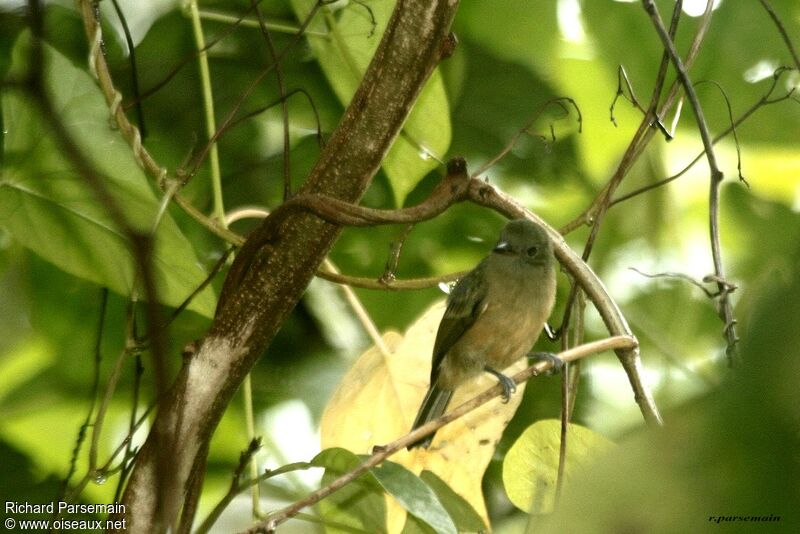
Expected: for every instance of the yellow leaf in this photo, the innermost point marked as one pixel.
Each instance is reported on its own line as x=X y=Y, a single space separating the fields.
x=378 y=398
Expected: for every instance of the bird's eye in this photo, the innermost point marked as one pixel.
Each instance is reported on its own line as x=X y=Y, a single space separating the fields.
x=532 y=251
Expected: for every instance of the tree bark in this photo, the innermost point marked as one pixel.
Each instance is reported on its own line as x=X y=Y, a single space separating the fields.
x=274 y=267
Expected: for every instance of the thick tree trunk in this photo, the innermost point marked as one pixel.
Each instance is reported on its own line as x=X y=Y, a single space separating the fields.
x=274 y=267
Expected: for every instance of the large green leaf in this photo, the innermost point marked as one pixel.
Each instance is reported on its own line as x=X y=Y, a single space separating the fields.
x=530 y=468
x=352 y=36
x=49 y=208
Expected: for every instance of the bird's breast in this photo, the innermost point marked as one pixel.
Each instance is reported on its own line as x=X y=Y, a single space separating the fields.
x=516 y=308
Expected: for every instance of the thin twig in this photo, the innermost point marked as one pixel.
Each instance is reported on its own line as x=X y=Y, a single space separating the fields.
x=644 y=133
x=510 y=145
x=218 y=209
x=98 y=356
x=782 y=30
x=395 y=284
x=394 y=255
x=716 y=177
x=677 y=275
x=98 y=67
x=249 y=90
x=235 y=488
x=276 y=61
x=134 y=69
x=763 y=101
x=732 y=128
x=360 y=311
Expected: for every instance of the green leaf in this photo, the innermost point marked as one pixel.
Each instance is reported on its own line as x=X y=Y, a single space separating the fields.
x=462 y=512
x=50 y=209
x=358 y=505
x=530 y=468
x=414 y=495
x=344 y=54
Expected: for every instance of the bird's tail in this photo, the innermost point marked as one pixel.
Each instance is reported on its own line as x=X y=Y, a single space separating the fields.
x=433 y=406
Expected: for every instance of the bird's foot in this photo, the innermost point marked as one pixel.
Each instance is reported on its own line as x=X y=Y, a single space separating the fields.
x=509 y=386
x=557 y=362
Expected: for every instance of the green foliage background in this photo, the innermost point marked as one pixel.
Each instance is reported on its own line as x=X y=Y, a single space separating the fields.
x=513 y=56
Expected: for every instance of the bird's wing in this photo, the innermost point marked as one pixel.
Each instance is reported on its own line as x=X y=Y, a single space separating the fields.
x=464 y=305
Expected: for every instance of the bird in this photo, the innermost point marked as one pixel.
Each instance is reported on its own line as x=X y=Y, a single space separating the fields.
x=493 y=317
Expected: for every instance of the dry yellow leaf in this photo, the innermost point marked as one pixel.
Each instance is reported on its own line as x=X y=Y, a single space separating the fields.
x=378 y=398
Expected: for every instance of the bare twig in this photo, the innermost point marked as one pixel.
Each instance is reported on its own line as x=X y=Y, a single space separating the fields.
x=98 y=356
x=560 y=102
x=622 y=76
x=765 y=100
x=392 y=285
x=236 y=487
x=98 y=67
x=134 y=68
x=276 y=61
x=593 y=213
x=394 y=255
x=289 y=94
x=680 y=276
x=250 y=88
x=732 y=128
x=715 y=178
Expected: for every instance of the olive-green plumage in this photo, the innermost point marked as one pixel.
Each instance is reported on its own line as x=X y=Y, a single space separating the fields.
x=494 y=315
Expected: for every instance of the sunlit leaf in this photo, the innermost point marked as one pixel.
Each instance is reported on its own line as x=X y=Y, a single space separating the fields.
x=50 y=209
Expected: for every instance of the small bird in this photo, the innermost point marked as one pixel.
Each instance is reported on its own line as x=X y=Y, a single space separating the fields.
x=493 y=317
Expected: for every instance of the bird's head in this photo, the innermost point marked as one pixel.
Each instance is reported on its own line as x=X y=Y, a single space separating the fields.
x=526 y=241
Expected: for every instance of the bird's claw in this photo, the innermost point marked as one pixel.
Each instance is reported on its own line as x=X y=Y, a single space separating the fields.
x=557 y=363
x=509 y=386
